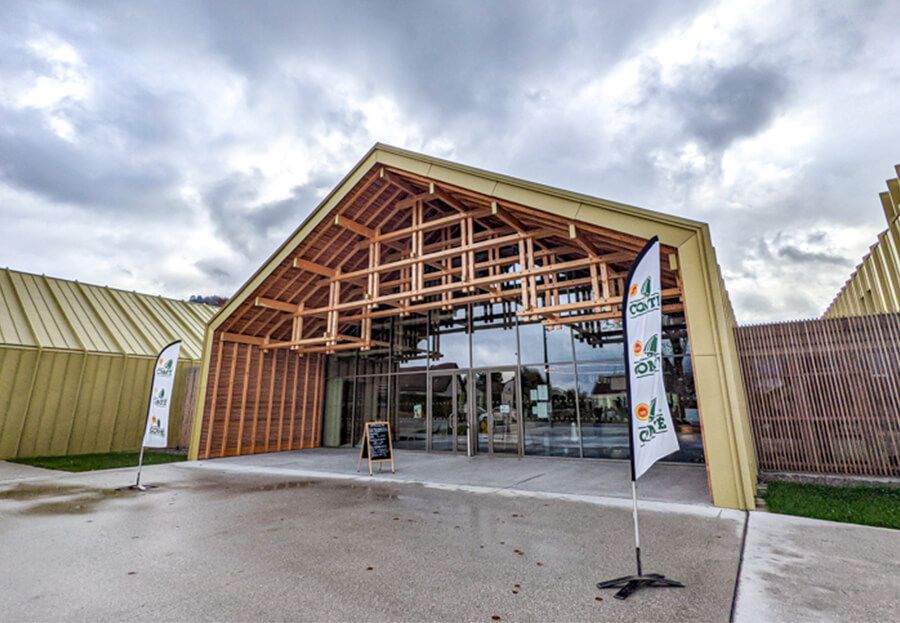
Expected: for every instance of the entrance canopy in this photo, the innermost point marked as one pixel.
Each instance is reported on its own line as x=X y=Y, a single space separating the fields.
x=404 y=237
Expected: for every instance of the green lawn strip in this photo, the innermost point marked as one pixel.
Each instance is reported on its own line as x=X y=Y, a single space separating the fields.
x=866 y=505
x=90 y=462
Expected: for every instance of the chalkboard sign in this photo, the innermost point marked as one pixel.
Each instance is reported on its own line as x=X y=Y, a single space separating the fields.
x=376 y=445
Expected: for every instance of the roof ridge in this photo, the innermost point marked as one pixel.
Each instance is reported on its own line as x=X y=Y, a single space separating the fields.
x=104 y=287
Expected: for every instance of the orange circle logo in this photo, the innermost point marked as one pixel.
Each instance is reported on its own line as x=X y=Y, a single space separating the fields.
x=638 y=347
x=642 y=412
x=633 y=290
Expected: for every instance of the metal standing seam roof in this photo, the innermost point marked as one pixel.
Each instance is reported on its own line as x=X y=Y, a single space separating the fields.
x=44 y=312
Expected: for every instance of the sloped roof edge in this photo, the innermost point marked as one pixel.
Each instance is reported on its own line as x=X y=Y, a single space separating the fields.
x=51 y=313
x=373 y=158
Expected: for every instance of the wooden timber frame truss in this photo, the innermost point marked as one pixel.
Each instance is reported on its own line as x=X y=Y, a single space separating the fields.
x=401 y=244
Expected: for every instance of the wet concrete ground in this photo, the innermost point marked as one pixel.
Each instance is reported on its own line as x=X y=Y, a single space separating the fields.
x=210 y=545
x=799 y=569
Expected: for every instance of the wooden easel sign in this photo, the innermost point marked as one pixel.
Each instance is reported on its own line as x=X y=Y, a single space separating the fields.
x=376 y=445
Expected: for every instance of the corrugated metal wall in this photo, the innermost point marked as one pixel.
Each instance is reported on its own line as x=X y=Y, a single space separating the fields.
x=76 y=362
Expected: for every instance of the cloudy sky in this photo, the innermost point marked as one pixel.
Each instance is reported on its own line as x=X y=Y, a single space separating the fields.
x=169 y=147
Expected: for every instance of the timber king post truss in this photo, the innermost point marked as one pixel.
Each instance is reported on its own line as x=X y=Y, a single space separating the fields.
x=401 y=243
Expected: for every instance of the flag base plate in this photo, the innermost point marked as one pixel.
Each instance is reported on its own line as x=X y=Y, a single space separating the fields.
x=631 y=583
x=142 y=487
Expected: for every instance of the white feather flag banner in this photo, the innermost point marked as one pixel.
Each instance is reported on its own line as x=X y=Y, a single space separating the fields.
x=652 y=433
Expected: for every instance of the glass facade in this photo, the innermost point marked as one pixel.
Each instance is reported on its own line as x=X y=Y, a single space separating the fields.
x=478 y=380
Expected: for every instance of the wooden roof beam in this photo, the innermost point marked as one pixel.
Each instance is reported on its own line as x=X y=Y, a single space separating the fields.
x=394 y=179
x=314 y=268
x=498 y=211
x=582 y=241
x=357 y=228
x=434 y=192
x=273 y=304
x=242 y=339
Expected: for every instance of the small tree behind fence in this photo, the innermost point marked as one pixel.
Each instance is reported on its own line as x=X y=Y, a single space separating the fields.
x=824 y=395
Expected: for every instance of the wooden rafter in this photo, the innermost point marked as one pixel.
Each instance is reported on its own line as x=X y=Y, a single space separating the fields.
x=404 y=244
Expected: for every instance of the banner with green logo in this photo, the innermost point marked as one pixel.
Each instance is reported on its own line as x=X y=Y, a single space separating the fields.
x=652 y=433
x=156 y=434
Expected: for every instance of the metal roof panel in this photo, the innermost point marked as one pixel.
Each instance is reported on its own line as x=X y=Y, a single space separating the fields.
x=36 y=310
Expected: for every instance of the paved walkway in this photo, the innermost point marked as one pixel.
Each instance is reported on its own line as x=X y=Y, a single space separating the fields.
x=683 y=484
x=14 y=471
x=442 y=539
x=217 y=544
x=798 y=569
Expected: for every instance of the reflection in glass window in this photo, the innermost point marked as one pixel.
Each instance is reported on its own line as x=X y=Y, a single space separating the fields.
x=598 y=342
x=559 y=344
x=494 y=347
x=411 y=342
x=531 y=342
x=548 y=400
x=450 y=340
x=410 y=411
x=542 y=345
x=604 y=409
x=682 y=395
x=371 y=403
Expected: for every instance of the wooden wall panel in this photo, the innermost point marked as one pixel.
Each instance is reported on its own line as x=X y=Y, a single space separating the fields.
x=824 y=395
x=260 y=401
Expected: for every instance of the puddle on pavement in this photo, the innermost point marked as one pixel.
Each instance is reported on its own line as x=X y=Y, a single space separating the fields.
x=241 y=486
x=55 y=499
x=44 y=499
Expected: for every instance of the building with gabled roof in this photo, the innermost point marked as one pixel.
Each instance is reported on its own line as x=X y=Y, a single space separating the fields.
x=511 y=290
x=76 y=362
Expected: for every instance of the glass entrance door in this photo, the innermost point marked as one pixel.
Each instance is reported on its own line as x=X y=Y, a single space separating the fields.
x=474 y=411
x=480 y=416
x=494 y=411
x=504 y=414
x=448 y=413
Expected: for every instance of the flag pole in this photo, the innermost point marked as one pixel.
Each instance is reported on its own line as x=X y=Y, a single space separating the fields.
x=137 y=483
x=630 y=583
x=637 y=532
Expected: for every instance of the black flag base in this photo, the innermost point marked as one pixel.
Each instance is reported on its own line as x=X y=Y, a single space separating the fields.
x=630 y=583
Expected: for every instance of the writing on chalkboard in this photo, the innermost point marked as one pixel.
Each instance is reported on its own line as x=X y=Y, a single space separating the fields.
x=376 y=445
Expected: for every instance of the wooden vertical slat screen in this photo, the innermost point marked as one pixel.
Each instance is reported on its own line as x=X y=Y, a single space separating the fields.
x=260 y=401
x=191 y=386
x=824 y=395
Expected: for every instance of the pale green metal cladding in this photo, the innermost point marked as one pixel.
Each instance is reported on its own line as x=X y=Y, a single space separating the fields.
x=76 y=362
x=874 y=286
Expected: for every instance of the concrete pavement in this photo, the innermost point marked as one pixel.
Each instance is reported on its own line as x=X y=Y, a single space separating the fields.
x=15 y=471
x=210 y=544
x=679 y=483
x=467 y=540
x=798 y=569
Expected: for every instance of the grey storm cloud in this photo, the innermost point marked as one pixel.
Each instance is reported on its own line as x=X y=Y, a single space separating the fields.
x=183 y=141
x=98 y=175
x=794 y=254
x=718 y=105
x=245 y=222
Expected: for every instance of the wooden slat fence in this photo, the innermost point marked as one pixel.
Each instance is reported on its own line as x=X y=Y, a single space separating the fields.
x=191 y=386
x=824 y=395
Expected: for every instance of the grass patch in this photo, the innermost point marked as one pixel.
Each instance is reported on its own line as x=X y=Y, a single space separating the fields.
x=866 y=505
x=109 y=460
